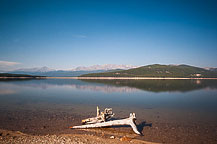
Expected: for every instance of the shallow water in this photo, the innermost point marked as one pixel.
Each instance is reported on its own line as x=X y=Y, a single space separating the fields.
x=185 y=103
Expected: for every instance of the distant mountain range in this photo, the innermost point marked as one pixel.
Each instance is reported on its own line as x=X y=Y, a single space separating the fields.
x=45 y=71
x=105 y=67
x=111 y=70
x=213 y=69
x=158 y=70
x=32 y=70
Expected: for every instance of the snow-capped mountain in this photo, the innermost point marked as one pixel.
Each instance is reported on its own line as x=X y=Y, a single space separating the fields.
x=210 y=68
x=104 y=67
x=38 y=69
x=45 y=71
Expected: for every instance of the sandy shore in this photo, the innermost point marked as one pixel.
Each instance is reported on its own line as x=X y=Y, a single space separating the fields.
x=51 y=126
x=17 y=137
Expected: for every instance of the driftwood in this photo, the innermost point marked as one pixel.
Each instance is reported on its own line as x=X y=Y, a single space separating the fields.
x=95 y=124
x=100 y=116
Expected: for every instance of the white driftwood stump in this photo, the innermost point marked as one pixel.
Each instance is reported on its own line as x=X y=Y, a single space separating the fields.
x=100 y=116
x=128 y=121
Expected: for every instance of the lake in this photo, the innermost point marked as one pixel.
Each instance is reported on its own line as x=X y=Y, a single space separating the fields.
x=167 y=111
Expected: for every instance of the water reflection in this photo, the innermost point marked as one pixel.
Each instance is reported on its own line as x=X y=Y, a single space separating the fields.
x=6 y=91
x=109 y=86
x=161 y=85
x=66 y=83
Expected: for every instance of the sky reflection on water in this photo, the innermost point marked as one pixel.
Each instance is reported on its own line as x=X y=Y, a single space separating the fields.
x=142 y=93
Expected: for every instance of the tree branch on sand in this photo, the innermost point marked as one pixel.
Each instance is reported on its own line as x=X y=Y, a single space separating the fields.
x=101 y=121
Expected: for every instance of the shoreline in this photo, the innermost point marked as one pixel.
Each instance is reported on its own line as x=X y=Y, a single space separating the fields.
x=8 y=136
x=157 y=128
x=112 y=78
x=23 y=77
x=128 y=78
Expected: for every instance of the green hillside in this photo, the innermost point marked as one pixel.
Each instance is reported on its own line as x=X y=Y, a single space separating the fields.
x=157 y=70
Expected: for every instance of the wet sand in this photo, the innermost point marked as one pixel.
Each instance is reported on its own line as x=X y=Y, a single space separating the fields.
x=156 y=125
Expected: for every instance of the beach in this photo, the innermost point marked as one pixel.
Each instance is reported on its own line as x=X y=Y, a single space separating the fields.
x=54 y=127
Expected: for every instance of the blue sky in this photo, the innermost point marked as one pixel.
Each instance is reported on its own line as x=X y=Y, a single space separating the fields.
x=65 y=34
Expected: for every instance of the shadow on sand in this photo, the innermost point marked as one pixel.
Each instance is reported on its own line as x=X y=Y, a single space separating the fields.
x=140 y=126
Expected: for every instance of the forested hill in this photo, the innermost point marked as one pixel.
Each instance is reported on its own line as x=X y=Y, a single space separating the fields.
x=158 y=70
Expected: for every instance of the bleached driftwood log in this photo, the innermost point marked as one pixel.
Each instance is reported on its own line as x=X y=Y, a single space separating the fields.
x=128 y=121
x=100 y=116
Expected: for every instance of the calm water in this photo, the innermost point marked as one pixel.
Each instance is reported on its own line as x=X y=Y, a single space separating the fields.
x=155 y=101
x=199 y=95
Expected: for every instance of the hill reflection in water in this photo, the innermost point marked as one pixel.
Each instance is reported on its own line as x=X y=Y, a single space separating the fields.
x=8 y=86
x=108 y=86
x=161 y=85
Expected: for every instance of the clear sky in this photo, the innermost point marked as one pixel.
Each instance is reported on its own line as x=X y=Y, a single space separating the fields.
x=64 y=34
